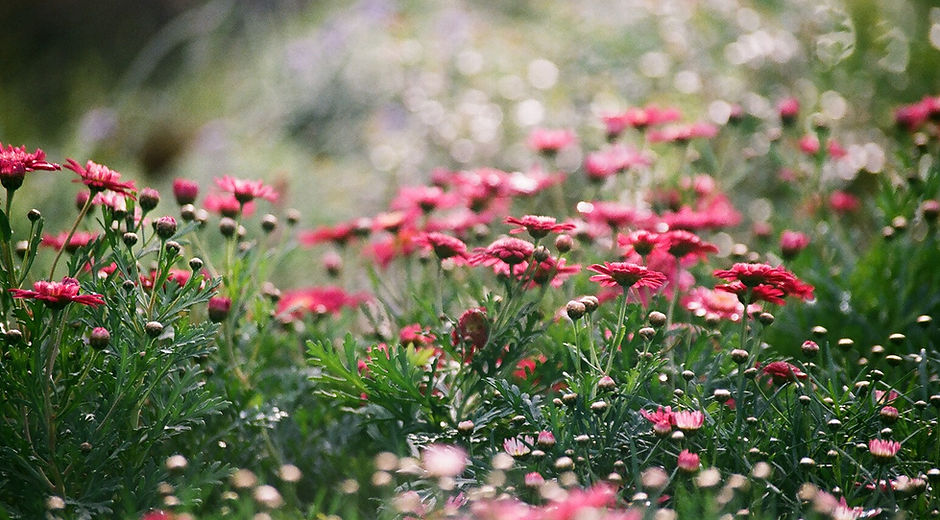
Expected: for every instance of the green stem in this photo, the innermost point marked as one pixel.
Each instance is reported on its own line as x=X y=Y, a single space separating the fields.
x=81 y=215
x=621 y=330
x=739 y=395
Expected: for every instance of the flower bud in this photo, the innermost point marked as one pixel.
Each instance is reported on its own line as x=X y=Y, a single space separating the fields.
x=148 y=199
x=21 y=247
x=100 y=338
x=569 y=398
x=176 y=464
x=819 y=331
x=721 y=395
x=590 y=303
x=606 y=383
x=599 y=406
x=227 y=227
x=845 y=343
x=33 y=215
x=153 y=328
x=268 y=223
x=564 y=243
x=185 y=191
x=541 y=254
x=889 y=414
x=293 y=216
x=647 y=333
x=765 y=318
x=188 y=212
x=219 y=308
x=897 y=338
x=195 y=263
x=739 y=355
x=688 y=375
x=465 y=426
x=657 y=319
x=165 y=227
x=924 y=320
x=575 y=310
x=172 y=247
x=810 y=348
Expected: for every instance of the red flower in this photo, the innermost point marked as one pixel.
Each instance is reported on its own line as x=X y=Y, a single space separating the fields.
x=228 y=205
x=638 y=118
x=15 y=162
x=752 y=276
x=788 y=109
x=792 y=242
x=705 y=302
x=472 y=330
x=662 y=419
x=425 y=198
x=538 y=226
x=550 y=141
x=57 y=294
x=100 y=178
x=604 y=163
x=244 y=190
x=219 y=308
x=682 y=133
x=626 y=275
x=444 y=246
x=416 y=334
x=316 y=300
x=782 y=372
x=339 y=234
x=510 y=251
x=766 y=293
x=641 y=241
x=843 y=202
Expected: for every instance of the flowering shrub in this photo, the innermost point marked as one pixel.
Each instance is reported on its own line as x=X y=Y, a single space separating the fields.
x=695 y=311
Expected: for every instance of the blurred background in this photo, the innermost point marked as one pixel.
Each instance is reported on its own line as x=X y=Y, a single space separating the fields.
x=336 y=101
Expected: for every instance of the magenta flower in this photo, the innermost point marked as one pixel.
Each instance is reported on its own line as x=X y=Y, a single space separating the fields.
x=16 y=162
x=688 y=420
x=883 y=450
x=626 y=275
x=246 y=191
x=100 y=178
x=688 y=461
x=538 y=226
x=57 y=295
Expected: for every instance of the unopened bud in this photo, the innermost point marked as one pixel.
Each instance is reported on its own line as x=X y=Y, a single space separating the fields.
x=148 y=199
x=153 y=328
x=227 y=227
x=269 y=223
x=575 y=309
x=293 y=216
x=810 y=348
x=165 y=227
x=657 y=319
x=130 y=239
x=195 y=263
x=739 y=355
x=563 y=243
x=99 y=338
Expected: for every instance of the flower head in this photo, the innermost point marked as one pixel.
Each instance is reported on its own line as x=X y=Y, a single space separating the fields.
x=688 y=461
x=662 y=419
x=185 y=191
x=57 y=295
x=626 y=275
x=688 y=420
x=510 y=251
x=792 y=242
x=444 y=461
x=444 y=246
x=472 y=331
x=246 y=191
x=549 y=141
x=77 y=240
x=538 y=226
x=682 y=243
x=763 y=282
x=219 y=308
x=100 y=178
x=518 y=447
x=883 y=450
x=317 y=301
x=782 y=372
x=15 y=162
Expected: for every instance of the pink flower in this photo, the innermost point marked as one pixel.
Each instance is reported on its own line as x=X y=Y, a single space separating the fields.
x=57 y=295
x=78 y=239
x=416 y=334
x=444 y=461
x=518 y=447
x=219 y=308
x=688 y=461
x=792 y=242
x=317 y=301
x=444 y=246
x=510 y=251
x=843 y=202
x=615 y=159
x=782 y=372
x=472 y=331
x=688 y=420
x=538 y=226
x=423 y=198
x=642 y=242
x=626 y=275
x=15 y=162
x=546 y=439
x=662 y=419
x=534 y=479
x=777 y=282
x=227 y=205
x=704 y=303
x=681 y=243
x=682 y=133
x=550 y=141
x=639 y=118
x=100 y=178
x=788 y=108
x=185 y=191
x=883 y=450
x=246 y=190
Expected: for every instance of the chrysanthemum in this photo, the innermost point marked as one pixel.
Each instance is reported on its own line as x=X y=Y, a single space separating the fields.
x=518 y=447
x=681 y=243
x=626 y=275
x=510 y=251
x=550 y=140
x=688 y=461
x=688 y=420
x=444 y=246
x=537 y=225
x=16 y=162
x=245 y=190
x=763 y=281
x=883 y=449
x=57 y=295
x=642 y=242
x=99 y=178
x=782 y=372
x=77 y=240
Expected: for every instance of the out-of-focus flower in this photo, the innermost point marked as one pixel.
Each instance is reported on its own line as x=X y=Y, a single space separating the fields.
x=639 y=118
x=185 y=191
x=538 y=226
x=688 y=420
x=534 y=479
x=57 y=295
x=706 y=303
x=444 y=461
x=792 y=242
x=518 y=447
x=219 y=308
x=316 y=301
x=77 y=240
x=246 y=190
x=764 y=281
x=16 y=162
x=550 y=141
x=626 y=275
x=510 y=251
x=782 y=372
x=681 y=243
x=843 y=202
x=604 y=163
x=682 y=133
x=416 y=334
x=227 y=205
x=423 y=198
x=444 y=246
x=788 y=109
x=472 y=331
x=99 y=178
x=642 y=242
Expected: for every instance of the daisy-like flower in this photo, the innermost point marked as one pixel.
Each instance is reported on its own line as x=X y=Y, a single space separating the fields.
x=792 y=242
x=317 y=301
x=764 y=282
x=78 y=239
x=688 y=461
x=883 y=450
x=681 y=243
x=682 y=133
x=782 y=372
x=185 y=191
x=444 y=246
x=662 y=419
x=766 y=293
x=472 y=331
x=843 y=202
x=57 y=295
x=639 y=118
x=546 y=439
x=626 y=275
x=549 y=141
x=444 y=461
x=510 y=251
x=688 y=420
x=246 y=191
x=706 y=303
x=16 y=162
x=642 y=242
x=534 y=479
x=518 y=447
x=538 y=226
x=100 y=178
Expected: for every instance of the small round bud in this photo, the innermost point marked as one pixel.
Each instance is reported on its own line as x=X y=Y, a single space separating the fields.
x=862 y=387
x=21 y=247
x=55 y=503
x=893 y=360
x=599 y=406
x=805 y=400
x=293 y=217
x=268 y=223
x=172 y=247
x=99 y=338
x=563 y=243
x=564 y=463
x=227 y=227
x=85 y=447
x=845 y=343
x=128 y=285
x=153 y=328
x=569 y=398
x=606 y=383
x=575 y=310
x=590 y=303
x=165 y=227
x=751 y=373
x=807 y=462
x=188 y=212
x=688 y=375
x=739 y=355
x=920 y=404
x=130 y=239
x=657 y=319
x=834 y=424
x=819 y=331
x=176 y=464
x=219 y=308
x=465 y=426
x=810 y=348
x=897 y=338
x=13 y=336
x=765 y=318
x=721 y=395
x=712 y=320
x=924 y=320
x=647 y=333
x=33 y=215
x=877 y=351
x=195 y=263
x=888 y=233
x=148 y=199
x=935 y=400
x=889 y=414
x=541 y=254
x=899 y=223
x=877 y=375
